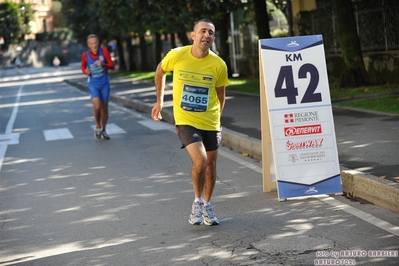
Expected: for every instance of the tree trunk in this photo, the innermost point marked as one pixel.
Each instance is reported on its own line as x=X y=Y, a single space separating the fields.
x=224 y=49
x=158 y=48
x=173 y=40
x=262 y=19
x=131 y=51
x=355 y=74
x=183 y=37
x=121 y=54
x=290 y=19
x=143 y=53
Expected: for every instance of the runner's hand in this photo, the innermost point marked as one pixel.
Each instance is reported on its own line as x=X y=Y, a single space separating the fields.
x=156 y=112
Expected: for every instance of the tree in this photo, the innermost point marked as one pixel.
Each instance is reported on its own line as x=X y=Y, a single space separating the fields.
x=14 y=22
x=355 y=73
x=262 y=19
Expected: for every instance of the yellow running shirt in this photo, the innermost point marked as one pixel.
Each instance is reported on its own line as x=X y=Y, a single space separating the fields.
x=195 y=101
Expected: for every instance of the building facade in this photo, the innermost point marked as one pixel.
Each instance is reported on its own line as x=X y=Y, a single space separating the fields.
x=42 y=20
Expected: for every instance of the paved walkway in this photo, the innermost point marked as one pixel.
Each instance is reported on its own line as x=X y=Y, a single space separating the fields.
x=368 y=142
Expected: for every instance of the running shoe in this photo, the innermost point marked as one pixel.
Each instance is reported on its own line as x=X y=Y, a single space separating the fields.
x=104 y=135
x=97 y=133
x=196 y=213
x=209 y=216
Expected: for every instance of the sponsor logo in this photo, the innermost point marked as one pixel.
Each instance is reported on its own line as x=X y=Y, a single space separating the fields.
x=311 y=190
x=293 y=44
x=289 y=118
x=307 y=144
x=301 y=117
x=306 y=156
x=207 y=78
x=293 y=158
x=302 y=130
x=312 y=156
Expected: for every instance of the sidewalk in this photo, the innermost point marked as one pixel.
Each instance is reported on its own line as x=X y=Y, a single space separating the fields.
x=366 y=141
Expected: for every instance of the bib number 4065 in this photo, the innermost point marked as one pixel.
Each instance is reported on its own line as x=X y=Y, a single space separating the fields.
x=290 y=91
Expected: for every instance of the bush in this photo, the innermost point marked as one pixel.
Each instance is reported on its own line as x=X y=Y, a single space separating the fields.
x=56 y=35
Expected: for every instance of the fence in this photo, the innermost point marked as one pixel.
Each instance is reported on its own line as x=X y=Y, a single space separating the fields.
x=377 y=24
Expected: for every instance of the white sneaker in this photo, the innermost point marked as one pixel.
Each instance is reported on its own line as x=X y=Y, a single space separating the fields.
x=196 y=213
x=97 y=133
x=209 y=216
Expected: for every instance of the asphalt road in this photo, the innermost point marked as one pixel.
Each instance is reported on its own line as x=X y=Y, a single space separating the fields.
x=69 y=199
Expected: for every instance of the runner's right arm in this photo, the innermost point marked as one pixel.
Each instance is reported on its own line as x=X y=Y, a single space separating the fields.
x=160 y=79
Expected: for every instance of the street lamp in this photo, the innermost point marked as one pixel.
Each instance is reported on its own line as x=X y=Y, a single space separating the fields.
x=23 y=19
x=233 y=46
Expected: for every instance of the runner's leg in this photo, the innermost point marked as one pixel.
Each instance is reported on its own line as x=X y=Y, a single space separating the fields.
x=97 y=110
x=104 y=115
x=210 y=175
x=197 y=154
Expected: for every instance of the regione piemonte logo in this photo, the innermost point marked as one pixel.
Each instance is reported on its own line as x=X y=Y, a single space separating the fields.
x=288 y=118
x=302 y=130
x=301 y=117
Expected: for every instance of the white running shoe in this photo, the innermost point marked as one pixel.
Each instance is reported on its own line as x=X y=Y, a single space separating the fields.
x=209 y=216
x=196 y=213
x=97 y=133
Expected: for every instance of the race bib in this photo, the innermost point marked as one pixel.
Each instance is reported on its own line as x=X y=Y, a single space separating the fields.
x=194 y=98
x=96 y=71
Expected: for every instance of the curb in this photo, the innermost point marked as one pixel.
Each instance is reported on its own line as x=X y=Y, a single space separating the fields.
x=373 y=189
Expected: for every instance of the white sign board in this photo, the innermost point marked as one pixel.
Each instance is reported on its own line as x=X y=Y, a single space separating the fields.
x=300 y=116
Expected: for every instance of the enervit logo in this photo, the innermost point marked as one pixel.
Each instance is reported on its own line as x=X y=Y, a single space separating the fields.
x=301 y=117
x=307 y=144
x=302 y=130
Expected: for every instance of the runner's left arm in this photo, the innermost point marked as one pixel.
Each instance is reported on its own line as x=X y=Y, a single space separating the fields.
x=221 y=92
x=109 y=65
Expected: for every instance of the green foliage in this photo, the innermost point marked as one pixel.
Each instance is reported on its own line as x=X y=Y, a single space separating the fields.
x=83 y=18
x=276 y=33
x=14 y=21
x=56 y=35
x=49 y=56
x=351 y=93
x=388 y=104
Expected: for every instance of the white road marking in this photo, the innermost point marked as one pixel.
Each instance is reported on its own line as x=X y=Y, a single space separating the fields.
x=112 y=129
x=363 y=215
x=9 y=139
x=10 y=125
x=237 y=159
x=57 y=134
x=156 y=125
x=388 y=227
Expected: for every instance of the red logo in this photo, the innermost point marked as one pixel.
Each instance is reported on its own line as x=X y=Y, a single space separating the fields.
x=289 y=118
x=302 y=130
x=308 y=144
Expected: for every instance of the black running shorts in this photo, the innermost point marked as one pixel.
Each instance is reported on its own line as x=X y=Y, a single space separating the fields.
x=189 y=134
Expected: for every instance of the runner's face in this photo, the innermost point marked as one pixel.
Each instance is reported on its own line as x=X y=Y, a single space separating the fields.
x=93 y=45
x=203 y=35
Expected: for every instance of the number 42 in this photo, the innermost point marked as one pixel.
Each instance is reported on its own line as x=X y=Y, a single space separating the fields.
x=290 y=91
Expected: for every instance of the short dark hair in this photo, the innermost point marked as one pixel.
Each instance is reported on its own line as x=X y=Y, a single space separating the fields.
x=203 y=20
